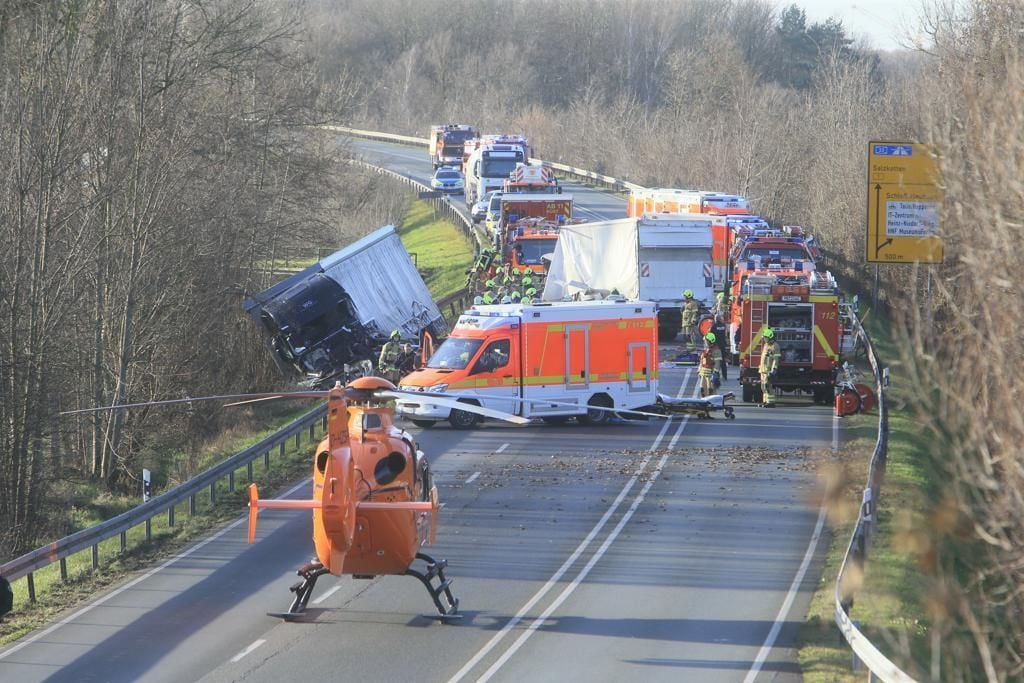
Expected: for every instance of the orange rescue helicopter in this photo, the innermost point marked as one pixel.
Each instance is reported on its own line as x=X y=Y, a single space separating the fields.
x=374 y=503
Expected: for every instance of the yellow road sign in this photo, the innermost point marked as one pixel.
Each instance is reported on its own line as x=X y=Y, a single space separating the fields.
x=904 y=204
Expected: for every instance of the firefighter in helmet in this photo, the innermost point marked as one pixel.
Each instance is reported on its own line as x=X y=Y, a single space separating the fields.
x=769 y=366
x=691 y=312
x=707 y=365
x=388 y=362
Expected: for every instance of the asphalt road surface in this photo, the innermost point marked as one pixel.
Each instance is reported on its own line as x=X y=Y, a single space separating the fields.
x=657 y=550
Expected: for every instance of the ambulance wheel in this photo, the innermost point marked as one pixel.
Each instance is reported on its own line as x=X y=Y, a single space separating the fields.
x=461 y=419
x=423 y=424
x=594 y=416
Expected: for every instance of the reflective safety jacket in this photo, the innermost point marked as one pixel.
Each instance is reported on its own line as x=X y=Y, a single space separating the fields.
x=769 y=357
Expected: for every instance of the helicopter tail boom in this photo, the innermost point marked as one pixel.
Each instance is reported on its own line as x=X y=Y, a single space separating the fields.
x=255 y=504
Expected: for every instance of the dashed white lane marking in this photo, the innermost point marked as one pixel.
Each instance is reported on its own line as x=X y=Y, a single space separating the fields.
x=329 y=593
x=497 y=638
x=502 y=448
x=247 y=650
x=472 y=477
x=131 y=584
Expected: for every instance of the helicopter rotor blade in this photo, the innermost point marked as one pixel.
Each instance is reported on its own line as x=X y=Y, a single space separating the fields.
x=225 y=397
x=447 y=402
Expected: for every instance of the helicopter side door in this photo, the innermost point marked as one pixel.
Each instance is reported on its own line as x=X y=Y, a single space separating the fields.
x=495 y=375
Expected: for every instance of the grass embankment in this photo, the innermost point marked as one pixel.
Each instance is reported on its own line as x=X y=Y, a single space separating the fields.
x=443 y=254
x=890 y=604
x=441 y=251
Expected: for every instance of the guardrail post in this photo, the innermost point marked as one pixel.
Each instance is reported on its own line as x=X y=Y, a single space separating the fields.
x=149 y=529
x=213 y=493
x=64 y=569
x=298 y=439
x=280 y=450
x=312 y=432
x=170 y=516
x=192 y=505
x=96 y=554
x=124 y=542
x=323 y=423
x=231 y=480
x=266 y=460
x=31 y=587
x=248 y=471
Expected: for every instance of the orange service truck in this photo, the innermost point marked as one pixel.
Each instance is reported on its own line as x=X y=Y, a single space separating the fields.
x=550 y=360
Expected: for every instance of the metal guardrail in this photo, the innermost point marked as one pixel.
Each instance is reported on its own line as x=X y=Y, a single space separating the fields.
x=856 y=553
x=85 y=539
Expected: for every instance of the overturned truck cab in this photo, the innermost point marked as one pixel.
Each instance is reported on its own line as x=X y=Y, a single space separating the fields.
x=333 y=317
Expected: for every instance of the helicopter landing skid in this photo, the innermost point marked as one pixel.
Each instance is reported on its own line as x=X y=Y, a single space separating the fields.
x=448 y=607
x=303 y=589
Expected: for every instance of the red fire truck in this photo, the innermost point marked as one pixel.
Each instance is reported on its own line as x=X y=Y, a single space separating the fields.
x=802 y=307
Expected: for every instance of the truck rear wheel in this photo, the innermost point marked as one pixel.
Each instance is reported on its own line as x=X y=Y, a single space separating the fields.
x=596 y=416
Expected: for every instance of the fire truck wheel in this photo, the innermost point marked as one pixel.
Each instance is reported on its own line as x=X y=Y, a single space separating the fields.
x=461 y=419
x=423 y=424
x=594 y=416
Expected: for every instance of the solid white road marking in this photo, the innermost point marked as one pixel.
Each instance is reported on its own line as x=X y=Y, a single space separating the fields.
x=835 y=433
x=500 y=635
x=329 y=593
x=794 y=587
x=472 y=477
x=502 y=448
x=88 y=608
x=247 y=650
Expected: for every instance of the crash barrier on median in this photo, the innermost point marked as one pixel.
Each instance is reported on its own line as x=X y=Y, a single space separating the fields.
x=442 y=204
x=26 y=565
x=852 y=569
x=616 y=184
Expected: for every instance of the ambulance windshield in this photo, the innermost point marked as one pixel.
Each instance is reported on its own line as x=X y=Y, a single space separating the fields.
x=454 y=354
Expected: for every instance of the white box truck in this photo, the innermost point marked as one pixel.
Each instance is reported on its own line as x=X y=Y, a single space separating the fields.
x=652 y=258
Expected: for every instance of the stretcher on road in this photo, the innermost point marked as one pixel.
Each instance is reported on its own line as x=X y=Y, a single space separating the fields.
x=701 y=407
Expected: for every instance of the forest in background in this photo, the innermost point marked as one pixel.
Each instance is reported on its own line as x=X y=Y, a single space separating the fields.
x=159 y=158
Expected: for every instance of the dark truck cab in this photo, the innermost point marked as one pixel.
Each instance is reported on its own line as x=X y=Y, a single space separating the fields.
x=330 y=320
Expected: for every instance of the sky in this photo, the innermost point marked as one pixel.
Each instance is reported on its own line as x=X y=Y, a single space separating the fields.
x=885 y=23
